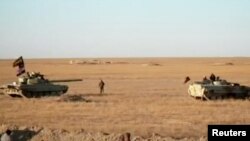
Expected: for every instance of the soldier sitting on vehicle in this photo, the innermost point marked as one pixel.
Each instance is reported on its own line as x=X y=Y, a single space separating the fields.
x=205 y=80
x=217 y=78
x=212 y=77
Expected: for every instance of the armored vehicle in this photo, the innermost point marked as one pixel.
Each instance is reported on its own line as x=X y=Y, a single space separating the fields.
x=35 y=85
x=219 y=89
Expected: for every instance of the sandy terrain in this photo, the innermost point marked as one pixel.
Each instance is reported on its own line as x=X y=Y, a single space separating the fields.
x=145 y=97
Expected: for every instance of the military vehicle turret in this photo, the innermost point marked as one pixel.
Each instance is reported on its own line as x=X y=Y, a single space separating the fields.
x=218 y=89
x=35 y=85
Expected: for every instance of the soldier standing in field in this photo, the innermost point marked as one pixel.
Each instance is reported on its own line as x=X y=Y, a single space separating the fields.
x=101 y=86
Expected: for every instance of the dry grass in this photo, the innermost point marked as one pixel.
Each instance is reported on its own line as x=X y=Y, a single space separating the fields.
x=139 y=99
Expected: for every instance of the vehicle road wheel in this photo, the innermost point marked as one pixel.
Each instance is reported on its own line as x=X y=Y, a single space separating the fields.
x=213 y=97
x=220 y=97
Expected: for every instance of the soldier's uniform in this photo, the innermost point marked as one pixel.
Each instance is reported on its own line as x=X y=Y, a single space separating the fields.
x=101 y=86
x=212 y=77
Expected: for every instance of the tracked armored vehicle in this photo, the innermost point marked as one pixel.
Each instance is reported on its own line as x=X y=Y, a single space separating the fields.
x=35 y=85
x=221 y=89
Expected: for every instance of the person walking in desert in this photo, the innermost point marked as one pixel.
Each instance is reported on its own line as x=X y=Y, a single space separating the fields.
x=101 y=86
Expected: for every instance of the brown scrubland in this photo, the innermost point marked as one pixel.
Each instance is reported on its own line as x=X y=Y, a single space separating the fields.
x=145 y=97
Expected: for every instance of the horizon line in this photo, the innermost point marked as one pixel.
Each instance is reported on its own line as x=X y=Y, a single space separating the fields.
x=124 y=57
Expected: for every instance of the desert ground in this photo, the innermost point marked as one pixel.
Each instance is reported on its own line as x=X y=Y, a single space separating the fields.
x=145 y=97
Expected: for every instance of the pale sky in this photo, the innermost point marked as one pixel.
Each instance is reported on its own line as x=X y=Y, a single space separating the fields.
x=124 y=28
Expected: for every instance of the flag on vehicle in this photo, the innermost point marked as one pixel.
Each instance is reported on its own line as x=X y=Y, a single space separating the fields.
x=186 y=79
x=20 y=64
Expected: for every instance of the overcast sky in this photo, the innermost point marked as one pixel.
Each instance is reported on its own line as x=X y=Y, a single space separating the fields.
x=124 y=28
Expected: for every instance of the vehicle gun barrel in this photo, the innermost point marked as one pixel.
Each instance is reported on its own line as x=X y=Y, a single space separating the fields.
x=65 y=80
